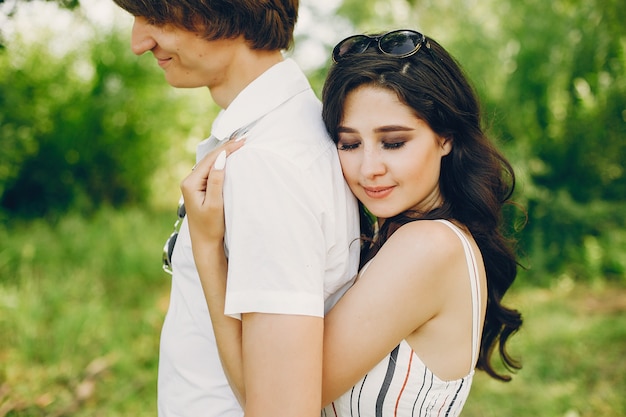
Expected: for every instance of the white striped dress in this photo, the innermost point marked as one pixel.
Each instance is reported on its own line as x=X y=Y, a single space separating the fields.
x=401 y=385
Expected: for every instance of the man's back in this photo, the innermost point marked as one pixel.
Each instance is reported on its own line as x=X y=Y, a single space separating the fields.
x=291 y=236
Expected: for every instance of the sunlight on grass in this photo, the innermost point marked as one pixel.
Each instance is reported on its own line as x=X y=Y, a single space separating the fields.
x=572 y=346
x=80 y=314
x=82 y=302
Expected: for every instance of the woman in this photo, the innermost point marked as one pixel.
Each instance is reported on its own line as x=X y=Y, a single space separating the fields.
x=426 y=308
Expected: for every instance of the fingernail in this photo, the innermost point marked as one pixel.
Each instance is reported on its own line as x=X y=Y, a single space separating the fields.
x=220 y=162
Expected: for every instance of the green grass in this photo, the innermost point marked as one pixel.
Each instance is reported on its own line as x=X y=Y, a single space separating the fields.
x=81 y=305
x=82 y=302
x=572 y=347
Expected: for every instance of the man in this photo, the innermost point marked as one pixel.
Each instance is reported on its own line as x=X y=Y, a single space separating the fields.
x=291 y=222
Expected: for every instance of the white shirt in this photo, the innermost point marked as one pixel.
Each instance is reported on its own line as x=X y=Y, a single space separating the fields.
x=291 y=236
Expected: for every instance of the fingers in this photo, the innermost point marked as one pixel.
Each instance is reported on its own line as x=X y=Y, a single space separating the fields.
x=206 y=164
x=215 y=183
x=220 y=161
x=195 y=186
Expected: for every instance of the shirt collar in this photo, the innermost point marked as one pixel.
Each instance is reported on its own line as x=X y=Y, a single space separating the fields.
x=271 y=89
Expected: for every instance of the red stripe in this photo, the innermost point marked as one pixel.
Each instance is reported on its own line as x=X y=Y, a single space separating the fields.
x=334 y=411
x=442 y=405
x=408 y=372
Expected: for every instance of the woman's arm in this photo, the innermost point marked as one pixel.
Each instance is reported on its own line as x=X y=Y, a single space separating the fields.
x=404 y=287
x=283 y=353
x=202 y=192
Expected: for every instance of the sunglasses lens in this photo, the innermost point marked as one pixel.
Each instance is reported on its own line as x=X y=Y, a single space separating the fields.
x=400 y=43
x=170 y=247
x=181 y=211
x=168 y=251
x=352 y=45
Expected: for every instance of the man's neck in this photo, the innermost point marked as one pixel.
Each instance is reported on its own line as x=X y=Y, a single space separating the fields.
x=247 y=66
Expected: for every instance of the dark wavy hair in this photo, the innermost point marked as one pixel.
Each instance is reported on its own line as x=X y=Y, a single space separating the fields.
x=265 y=24
x=476 y=180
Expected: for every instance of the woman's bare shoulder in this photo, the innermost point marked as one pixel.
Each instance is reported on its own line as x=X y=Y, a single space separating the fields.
x=426 y=238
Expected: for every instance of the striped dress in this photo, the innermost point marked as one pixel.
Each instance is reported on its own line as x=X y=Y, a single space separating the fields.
x=401 y=385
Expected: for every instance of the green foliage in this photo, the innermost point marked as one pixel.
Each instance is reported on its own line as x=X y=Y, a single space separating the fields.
x=552 y=79
x=563 y=107
x=82 y=302
x=85 y=127
x=571 y=347
x=93 y=126
x=81 y=306
x=69 y=4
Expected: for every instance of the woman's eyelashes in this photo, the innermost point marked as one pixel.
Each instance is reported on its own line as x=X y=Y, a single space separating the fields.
x=348 y=145
x=393 y=144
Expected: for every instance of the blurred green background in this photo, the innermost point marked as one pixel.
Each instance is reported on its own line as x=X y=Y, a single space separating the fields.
x=93 y=143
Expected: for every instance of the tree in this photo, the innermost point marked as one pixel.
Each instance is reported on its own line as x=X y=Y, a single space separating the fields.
x=564 y=103
x=552 y=79
x=68 y=4
x=84 y=128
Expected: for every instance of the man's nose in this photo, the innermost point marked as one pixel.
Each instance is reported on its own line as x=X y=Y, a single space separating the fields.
x=141 y=39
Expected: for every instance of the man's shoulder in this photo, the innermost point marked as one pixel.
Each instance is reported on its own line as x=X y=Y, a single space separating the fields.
x=298 y=122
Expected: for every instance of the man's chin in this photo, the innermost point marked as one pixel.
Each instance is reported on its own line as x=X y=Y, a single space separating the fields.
x=180 y=82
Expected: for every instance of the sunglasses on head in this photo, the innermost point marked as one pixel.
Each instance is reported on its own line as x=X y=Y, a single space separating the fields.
x=168 y=248
x=399 y=43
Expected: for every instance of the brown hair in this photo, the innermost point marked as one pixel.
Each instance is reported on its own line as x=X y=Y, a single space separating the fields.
x=476 y=180
x=265 y=24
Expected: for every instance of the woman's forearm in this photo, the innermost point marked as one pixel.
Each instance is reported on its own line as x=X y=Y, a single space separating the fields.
x=212 y=267
x=202 y=192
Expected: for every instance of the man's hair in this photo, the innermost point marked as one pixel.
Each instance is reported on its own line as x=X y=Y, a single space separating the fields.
x=265 y=24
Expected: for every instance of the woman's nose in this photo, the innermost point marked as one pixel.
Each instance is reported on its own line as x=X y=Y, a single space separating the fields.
x=141 y=39
x=372 y=163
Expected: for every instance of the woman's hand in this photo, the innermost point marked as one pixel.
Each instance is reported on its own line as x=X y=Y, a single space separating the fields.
x=202 y=192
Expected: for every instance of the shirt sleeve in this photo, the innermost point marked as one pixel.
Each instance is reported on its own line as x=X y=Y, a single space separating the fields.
x=274 y=237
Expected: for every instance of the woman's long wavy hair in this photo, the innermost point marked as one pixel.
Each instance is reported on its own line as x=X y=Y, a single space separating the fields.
x=476 y=180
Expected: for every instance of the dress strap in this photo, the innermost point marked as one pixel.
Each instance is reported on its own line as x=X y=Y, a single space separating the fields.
x=472 y=267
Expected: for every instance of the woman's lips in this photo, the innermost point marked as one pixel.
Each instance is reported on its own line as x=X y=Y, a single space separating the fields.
x=378 y=192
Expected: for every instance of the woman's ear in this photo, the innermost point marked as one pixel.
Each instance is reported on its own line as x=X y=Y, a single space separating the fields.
x=446 y=145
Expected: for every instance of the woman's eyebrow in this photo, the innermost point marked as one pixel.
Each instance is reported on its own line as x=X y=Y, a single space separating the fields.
x=393 y=128
x=381 y=129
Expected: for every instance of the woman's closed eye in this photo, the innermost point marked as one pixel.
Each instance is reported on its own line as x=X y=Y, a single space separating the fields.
x=386 y=145
x=347 y=146
x=393 y=145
